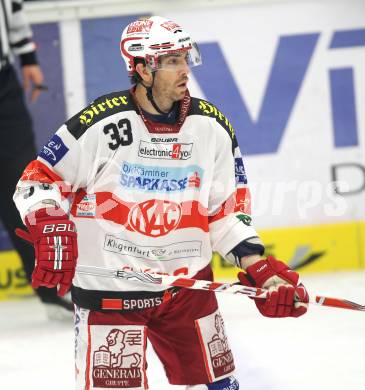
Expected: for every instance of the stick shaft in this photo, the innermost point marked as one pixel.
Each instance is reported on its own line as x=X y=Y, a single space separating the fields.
x=228 y=288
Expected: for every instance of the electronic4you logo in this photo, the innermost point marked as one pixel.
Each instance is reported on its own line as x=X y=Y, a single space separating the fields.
x=155 y=218
x=166 y=151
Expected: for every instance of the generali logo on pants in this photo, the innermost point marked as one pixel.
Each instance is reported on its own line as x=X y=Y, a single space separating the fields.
x=118 y=363
x=214 y=340
x=165 y=151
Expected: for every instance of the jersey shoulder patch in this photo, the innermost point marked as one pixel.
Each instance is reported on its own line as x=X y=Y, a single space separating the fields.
x=205 y=108
x=99 y=109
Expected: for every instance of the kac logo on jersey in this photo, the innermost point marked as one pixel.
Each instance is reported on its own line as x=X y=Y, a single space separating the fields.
x=154 y=217
x=241 y=177
x=160 y=179
x=166 y=151
x=54 y=150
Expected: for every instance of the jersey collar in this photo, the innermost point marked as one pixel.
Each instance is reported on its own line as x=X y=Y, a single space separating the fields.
x=156 y=127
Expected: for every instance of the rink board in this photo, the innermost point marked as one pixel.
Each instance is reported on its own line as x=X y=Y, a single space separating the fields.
x=13 y=282
x=309 y=249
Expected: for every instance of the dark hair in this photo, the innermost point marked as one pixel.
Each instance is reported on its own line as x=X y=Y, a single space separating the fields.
x=136 y=78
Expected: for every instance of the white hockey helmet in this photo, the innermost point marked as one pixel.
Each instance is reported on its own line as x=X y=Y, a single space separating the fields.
x=151 y=38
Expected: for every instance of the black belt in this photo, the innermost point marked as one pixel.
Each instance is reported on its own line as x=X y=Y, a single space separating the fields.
x=121 y=300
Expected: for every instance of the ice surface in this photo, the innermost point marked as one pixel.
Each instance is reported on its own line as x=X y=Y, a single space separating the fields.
x=322 y=350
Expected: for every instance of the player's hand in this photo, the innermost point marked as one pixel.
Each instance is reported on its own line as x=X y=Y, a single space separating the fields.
x=33 y=78
x=286 y=297
x=55 y=243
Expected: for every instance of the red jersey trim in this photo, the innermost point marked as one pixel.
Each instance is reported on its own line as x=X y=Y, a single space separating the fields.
x=153 y=217
x=240 y=201
x=37 y=171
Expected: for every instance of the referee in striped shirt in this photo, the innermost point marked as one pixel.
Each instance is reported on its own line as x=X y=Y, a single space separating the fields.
x=17 y=147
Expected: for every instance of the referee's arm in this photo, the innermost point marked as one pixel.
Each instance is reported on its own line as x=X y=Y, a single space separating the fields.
x=19 y=35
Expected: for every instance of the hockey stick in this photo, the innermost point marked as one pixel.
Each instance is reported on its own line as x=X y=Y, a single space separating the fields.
x=230 y=288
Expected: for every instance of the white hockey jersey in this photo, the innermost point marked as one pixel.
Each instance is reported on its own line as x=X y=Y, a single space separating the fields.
x=144 y=196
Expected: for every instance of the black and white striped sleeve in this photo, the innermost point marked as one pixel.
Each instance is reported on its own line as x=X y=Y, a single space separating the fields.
x=20 y=34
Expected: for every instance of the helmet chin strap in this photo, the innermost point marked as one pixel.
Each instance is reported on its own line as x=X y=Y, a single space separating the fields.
x=150 y=95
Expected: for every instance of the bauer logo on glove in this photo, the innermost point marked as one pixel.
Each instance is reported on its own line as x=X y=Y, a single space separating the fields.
x=61 y=227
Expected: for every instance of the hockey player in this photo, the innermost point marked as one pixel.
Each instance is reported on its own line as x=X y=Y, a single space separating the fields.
x=155 y=182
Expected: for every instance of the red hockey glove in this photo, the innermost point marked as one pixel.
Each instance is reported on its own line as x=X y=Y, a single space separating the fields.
x=286 y=298
x=55 y=243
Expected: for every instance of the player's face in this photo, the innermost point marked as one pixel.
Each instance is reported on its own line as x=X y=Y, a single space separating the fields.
x=172 y=78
